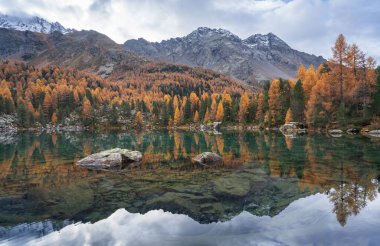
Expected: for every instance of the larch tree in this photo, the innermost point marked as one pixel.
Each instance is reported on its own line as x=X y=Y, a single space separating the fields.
x=301 y=72
x=196 y=117
x=187 y=115
x=260 y=113
x=207 y=116
x=220 y=112
x=289 y=116
x=194 y=100
x=275 y=102
x=227 y=105
x=175 y=102
x=8 y=103
x=319 y=107
x=243 y=107
x=86 y=108
x=338 y=63
x=214 y=107
x=177 y=117
x=47 y=106
x=54 y=119
x=309 y=81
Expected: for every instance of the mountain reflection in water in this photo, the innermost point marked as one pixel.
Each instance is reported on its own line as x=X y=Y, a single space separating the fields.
x=270 y=189
x=305 y=220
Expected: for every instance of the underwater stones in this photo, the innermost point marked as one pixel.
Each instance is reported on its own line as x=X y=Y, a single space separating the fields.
x=207 y=158
x=111 y=159
x=232 y=186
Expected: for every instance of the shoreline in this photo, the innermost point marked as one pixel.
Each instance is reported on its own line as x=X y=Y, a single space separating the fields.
x=9 y=127
x=187 y=128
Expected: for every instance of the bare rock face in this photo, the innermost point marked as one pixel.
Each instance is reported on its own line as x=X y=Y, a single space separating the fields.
x=257 y=58
x=114 y=159
x=207 y=158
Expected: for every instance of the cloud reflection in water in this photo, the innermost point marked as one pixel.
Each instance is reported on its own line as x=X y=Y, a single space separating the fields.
x=307 y=220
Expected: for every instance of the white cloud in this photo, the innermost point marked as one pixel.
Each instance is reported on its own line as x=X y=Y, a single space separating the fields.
x=248 y=6
x=306 y=25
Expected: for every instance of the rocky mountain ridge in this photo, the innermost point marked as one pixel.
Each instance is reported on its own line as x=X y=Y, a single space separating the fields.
x=258 y=57
x=33 y=24
x=83 y=50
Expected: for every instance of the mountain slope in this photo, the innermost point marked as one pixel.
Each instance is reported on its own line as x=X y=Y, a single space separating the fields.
x=256 y=58
x=33 y=24
x=83 y=50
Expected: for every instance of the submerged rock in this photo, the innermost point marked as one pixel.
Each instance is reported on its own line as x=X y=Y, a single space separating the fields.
x=207 y=158
x=111 y=159
x=231 y=186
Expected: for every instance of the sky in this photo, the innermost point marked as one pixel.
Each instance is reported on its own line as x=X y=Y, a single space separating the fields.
x=306 y=25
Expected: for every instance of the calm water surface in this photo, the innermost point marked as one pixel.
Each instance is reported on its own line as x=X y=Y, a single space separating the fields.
x=271 y=189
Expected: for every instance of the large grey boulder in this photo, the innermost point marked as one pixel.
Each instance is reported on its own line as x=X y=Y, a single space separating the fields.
x=115 y=159
x=208 y=158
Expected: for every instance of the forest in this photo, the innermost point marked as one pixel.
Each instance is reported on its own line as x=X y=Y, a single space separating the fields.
x=344 y=91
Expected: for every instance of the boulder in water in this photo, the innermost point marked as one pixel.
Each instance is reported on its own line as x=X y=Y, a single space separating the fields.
x=115 y=159
x=208 y=158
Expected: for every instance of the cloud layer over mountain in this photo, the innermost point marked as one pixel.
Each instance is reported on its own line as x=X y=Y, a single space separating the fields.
x=307 y=25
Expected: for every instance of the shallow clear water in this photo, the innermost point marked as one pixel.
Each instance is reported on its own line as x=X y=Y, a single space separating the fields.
x=271 y=189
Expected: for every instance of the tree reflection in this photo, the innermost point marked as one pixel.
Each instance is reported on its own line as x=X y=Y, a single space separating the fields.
x=343 y=169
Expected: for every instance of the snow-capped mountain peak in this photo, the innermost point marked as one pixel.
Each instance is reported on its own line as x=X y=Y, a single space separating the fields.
x=203 y=32
x=33 y=24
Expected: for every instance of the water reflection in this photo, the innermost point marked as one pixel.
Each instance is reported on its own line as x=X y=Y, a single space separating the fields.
x=262 y=174
x=303 y=222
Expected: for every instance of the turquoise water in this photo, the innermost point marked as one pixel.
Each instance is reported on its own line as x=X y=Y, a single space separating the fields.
x=271 y=189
